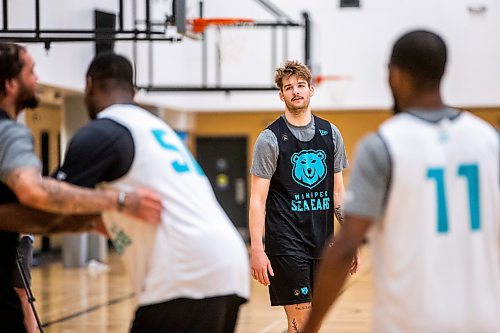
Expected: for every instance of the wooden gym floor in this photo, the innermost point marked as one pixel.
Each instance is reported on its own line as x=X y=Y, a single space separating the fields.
x=77 y=300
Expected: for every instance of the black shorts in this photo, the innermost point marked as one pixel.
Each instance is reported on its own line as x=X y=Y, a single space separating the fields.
x=185 y=315
x=293 y=279
x=11 y=313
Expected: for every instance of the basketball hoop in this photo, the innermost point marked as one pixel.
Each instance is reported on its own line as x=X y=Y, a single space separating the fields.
x=337 y=86
x=319 y=79
x=198 y=25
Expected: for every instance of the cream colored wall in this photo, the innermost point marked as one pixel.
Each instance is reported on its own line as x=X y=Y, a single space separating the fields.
x=352 y=124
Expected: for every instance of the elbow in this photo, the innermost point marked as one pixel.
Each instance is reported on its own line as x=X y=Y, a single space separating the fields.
x=31 y=197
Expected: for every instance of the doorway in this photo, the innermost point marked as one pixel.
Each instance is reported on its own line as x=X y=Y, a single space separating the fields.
x=224 y=160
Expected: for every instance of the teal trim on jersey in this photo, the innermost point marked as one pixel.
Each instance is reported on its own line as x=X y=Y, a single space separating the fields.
x=442 y=212
x=309 y=167
x=181 y=165
x=471 y=172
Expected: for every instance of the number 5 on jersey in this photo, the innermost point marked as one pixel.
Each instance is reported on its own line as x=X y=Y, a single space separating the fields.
x=186 y=162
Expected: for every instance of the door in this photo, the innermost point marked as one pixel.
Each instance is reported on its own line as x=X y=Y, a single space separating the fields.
x=224 y=160
x=45 y=123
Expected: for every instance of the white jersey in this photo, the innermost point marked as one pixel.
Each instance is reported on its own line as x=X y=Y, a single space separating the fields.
x=436 y=250
x=195 y=252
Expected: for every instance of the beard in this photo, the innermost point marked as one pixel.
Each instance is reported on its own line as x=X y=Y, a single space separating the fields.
x=29 y=103
x=27 y=100
x=297 y=109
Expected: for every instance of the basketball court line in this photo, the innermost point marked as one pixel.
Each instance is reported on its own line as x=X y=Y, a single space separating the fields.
x=89 y=310
x=276 y=322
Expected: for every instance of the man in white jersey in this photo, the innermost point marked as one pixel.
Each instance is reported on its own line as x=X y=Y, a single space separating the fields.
x=21 y=182
x=191 y=273
x=426 y=186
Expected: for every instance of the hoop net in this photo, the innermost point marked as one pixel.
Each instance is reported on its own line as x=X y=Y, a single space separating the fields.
x=319 y=79
x=336 y=86
x=198 y=25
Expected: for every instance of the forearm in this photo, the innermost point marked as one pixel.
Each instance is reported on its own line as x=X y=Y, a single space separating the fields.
x=256 y=225
x=59 y=197
x=51 y=195
x=339 y=214
x=330 y=279
x=18 y=218
x=338 y=198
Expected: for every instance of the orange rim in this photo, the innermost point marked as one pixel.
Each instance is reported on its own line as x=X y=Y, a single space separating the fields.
x=199 y=24
x=321 y=78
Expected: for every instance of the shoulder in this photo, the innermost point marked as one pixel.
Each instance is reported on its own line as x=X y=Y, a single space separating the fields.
x=99 y=131
x=372 y=153
x=11 y=130
x=267 y=138
x=335 y=131
x=338 y=141
x=372 y=142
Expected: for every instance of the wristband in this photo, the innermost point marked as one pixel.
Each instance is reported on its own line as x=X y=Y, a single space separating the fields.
x=121 y=200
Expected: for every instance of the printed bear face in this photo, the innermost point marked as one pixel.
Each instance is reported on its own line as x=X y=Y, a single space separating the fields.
x=309 y=167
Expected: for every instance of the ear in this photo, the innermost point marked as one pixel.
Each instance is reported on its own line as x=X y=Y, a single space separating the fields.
x=321 y=154
x=281 y=96
x=295 y=157
x=89 y=85
x=311 y=91
x=396 y=76
x=11 y=85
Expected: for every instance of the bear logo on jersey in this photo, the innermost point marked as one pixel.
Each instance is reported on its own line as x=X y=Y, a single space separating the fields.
x=309 y=167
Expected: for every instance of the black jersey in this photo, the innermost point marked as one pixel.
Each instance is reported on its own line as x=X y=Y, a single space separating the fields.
x=299 y=206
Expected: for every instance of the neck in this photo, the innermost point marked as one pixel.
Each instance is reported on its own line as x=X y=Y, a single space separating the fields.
x=424 y=100
x=112 y=98
x=9 y=107
x=301 y=118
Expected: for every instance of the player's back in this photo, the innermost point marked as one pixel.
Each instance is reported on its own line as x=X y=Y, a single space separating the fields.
x=436 y=251
x=196 y=252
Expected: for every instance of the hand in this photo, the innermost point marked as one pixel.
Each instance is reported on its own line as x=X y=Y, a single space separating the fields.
x=144 y=204
x=261 y=266
x=356 y=262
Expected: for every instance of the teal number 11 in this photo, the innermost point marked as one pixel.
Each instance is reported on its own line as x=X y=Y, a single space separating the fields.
x=471 y=174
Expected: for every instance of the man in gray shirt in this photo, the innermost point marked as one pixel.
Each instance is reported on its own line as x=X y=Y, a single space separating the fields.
x=296 y=187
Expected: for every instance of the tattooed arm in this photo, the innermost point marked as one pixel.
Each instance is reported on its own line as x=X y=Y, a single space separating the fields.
x=338 y=196
x=54 y=196
x=18 y=218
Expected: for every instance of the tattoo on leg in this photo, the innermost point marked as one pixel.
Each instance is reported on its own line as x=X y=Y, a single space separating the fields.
x=306 y=306
x=295 y=326
x=339 y=214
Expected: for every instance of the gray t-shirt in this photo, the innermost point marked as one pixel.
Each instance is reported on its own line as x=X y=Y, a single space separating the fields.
x=371 y=175
x=16 y=148
x=266 y=150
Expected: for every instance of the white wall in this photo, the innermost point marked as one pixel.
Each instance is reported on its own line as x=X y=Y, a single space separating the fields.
x=353 y=42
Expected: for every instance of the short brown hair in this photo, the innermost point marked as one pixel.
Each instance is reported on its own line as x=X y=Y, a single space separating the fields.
x=289 y=68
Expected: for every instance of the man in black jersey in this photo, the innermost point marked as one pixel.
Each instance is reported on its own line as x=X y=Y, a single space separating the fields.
x=296 y=188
